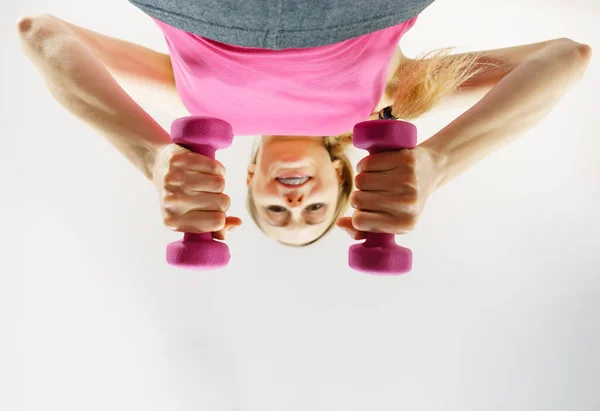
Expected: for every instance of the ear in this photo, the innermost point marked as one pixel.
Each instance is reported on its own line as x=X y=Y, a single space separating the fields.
x=251 y=170
x=339 y=169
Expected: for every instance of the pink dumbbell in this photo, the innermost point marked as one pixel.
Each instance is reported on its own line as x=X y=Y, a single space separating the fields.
x=379 y=254
x=202 y=135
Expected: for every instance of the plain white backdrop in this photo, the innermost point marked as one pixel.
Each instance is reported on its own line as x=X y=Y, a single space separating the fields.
x=501 y=311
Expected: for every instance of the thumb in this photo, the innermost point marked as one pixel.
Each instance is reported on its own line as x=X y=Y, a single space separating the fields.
x=345 y=223
x=231 y=223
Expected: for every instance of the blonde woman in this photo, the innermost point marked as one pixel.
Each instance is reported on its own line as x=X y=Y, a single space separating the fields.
x=301 y=77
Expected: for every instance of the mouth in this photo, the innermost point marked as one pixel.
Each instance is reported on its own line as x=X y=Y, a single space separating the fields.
x=292 y=181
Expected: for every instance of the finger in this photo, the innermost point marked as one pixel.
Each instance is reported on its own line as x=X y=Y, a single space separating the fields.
x=179 y=202
x=397 y=183
x=384 y=202
x=200 y=163
x=374 y=222
x=345 y=223
x=386 y=161
x=374 y=182
x=197 y=222
x=192 y=182
x=231 y=223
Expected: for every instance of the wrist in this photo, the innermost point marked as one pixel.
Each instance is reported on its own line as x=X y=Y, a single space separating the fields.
x=440 y=162
x=149 y=157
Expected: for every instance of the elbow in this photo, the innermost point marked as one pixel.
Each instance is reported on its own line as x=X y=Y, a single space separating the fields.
x=46 y=38
x=37 y=30
x=582 y=55
x=585 y=51
x=23 y=25
x=39 y=26
x=580 y=50
x=579 y=61
x=585 y=56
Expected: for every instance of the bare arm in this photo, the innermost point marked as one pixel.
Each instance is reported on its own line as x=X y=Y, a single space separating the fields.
x=145 y=74
x=505 y=60
x=521 y=98
x=122 y=58
x=82 y=84
x=394 y=186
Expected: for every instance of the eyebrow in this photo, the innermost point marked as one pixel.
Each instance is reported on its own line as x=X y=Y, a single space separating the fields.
x=284 y=225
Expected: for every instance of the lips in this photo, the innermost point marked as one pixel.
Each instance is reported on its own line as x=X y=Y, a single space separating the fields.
x=292 y=181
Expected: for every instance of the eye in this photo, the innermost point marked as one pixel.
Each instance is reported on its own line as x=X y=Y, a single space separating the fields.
x=276 y=209
x=315 y=207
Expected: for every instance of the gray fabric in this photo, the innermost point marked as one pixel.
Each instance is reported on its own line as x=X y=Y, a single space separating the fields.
x=280 y=24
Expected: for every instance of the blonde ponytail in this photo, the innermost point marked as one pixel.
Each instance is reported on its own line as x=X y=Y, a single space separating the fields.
x=418 y=85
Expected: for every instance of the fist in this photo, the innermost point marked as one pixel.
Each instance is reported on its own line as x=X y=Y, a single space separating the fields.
x=190 y=189
x=392 y=190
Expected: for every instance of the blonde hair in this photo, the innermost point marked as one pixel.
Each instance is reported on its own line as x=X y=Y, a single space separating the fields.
x=416 y=86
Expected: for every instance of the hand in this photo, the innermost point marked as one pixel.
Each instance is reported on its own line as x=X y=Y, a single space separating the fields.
x=392 y=190
x=190 y=188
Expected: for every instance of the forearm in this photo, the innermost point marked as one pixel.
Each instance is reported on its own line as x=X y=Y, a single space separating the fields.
x=519 y=101
x=82 y=85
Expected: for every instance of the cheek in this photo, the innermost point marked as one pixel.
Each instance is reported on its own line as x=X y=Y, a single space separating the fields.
x=261 y=188
x=328 y=190
x=333 y=195
x=329 y=180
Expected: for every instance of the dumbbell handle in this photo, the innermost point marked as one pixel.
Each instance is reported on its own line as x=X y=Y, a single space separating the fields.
x=210 y=152
x=383 y=239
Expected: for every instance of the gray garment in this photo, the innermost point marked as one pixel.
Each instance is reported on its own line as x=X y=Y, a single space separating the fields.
x=280 y=24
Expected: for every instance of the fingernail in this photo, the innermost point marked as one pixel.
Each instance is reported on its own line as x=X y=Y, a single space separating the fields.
x=360 y=166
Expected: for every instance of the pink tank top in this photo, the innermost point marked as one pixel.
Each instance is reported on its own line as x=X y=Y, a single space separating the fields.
x=304 y=91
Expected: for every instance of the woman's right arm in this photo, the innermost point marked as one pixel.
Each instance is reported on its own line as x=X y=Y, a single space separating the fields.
x=145 y=74
x=123 y=59
x=190 y=185
x=82 y=84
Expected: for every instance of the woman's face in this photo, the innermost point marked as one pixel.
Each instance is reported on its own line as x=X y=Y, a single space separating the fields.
x=295 y=186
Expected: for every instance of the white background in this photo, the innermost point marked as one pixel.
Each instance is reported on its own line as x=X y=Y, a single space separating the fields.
x=501 y=311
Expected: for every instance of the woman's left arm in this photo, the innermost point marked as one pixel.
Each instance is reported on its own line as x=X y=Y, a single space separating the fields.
x=518 y=101
x=394 y=186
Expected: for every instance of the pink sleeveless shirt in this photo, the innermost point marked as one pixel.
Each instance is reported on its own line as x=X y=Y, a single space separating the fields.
x=304 y=91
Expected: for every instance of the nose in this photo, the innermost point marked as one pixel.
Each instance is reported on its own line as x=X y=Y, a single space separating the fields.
x=294 y=199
